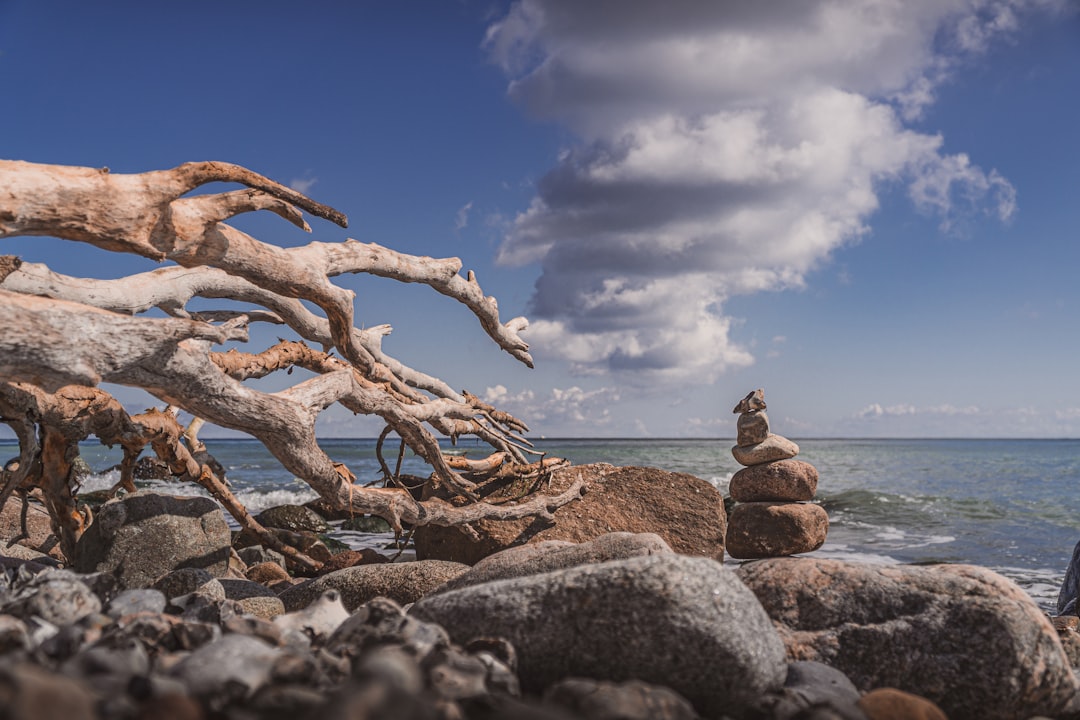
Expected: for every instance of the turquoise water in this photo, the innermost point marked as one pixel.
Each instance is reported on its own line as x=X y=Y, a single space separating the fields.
x=1007 y=505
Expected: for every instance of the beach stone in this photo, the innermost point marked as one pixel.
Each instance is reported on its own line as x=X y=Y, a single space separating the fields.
x=682 y=622
x=186 y=581
x=401 y=582
x=13 y=635
x=686 y=511
x=811 y=686
x=753 y=427
x=775 y=529
x=262 y=606
x=257 y=554
x=236 y=589
x=137 y=600
x=773 y=447
x=893 y=704
x=551 y=555
x=984 y=648
x=630 y=700
x=293 y=517
x=267 y=573
x=351 y=558
x=21 y=552
x=786 y=480
x=144 y=535
x=366 y=524
x=233 y=662
x=31 y=693
x=318 y=619
x=58 y=597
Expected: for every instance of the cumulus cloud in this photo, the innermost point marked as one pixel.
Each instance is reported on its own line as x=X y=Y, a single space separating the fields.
x=565 y=408
x=723 y=148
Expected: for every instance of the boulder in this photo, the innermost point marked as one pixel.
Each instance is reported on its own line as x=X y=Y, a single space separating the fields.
x=144 y=535
x=788 y=480
x=773 y=447
x=401 y=582
x=682 y=622
x=294 y=518
x=686 y=511
x=549 y=555
x=775 y=529
x=961 y=636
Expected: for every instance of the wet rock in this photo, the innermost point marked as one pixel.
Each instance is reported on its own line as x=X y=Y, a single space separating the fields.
x=630 y=700
x=402 y=582
x=294 y=518
x=788 y=480
x=682 y=622
x=893 y=704
x=686 y=511
x=130 y=602
x=984 y=648
x=366 y=524
x=31 y=693
x=773 y=447
x=144 y=535
x=775 y=529
x=549 y=555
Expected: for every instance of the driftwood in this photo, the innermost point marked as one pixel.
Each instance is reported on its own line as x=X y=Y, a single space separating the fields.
x=63 y=335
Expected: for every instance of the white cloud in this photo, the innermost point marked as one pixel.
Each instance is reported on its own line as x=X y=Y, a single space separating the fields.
x=303 y=185
x=725 y=148
x=461 y=221
x=566 y=409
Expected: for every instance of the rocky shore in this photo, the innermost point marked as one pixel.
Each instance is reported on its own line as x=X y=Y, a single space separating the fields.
x=623 y=608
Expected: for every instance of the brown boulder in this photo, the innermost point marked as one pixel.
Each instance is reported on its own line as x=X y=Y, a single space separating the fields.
x=775 y=529
x=686 y=511
x=961 y=636
x=787 y=480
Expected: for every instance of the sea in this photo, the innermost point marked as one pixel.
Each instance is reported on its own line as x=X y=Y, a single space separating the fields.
x=1009 y=505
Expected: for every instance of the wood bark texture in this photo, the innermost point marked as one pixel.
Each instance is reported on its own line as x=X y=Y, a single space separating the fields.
x=63 y=335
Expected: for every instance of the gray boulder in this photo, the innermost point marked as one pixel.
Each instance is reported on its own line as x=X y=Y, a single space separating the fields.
x=682 y=622
x=144 y=535
x=962 y=636
x=401 y=582
x=552 y=555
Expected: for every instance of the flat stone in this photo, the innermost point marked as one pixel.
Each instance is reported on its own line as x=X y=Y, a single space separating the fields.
x=684 y=510
x=753 y=427
x=775 y=529
x=401 y=582
x=773 y=447
x=961 y=636
x=558 y=555
x=785 y=480
x=686 y=623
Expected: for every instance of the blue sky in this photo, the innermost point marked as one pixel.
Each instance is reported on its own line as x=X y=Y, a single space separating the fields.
x=868 y=208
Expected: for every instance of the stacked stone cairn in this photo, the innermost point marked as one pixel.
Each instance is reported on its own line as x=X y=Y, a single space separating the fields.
x=771 y=517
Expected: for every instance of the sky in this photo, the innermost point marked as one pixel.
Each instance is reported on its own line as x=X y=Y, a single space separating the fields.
x=866 y=207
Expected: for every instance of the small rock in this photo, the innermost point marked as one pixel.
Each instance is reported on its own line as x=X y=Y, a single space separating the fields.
x=775 y=529
x=257 y=554
x=56 y=596
x=318 y=620
x=351 y=558
x=235 y=662
x=130 y=602
x=267 y=573
x=630 y=700
x=294 y=518
x=893 y=704
x=753 y=427
x=811 y=686
x=773 y=447
x=382 y=622
x=366 y=524
x=261 y=606
x=785 y=480
x=402 y=582
x=31 y=693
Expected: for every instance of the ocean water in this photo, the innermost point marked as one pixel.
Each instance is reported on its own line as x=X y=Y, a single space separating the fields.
x=1008 y=505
